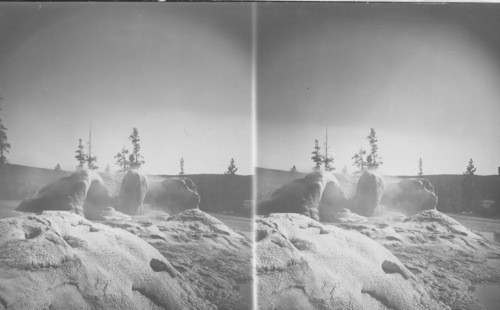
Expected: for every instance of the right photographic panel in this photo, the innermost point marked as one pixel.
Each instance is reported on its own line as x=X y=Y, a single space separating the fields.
x=378 y=141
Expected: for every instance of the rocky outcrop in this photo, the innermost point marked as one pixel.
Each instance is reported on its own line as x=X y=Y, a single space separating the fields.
x=212 y=259
x=132 y=193
x=368 y=194
x=303 y=264
x=409 y=196
x=439 y=251
x=59 y=260
x=301 y=196
x=333 y=200
x=83 y=192
x=173 y=195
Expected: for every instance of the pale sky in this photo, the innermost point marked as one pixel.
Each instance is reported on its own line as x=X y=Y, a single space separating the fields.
x=426 y=77
x=180 y=73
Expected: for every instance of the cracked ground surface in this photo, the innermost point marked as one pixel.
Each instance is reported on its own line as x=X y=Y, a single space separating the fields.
x=426 y=261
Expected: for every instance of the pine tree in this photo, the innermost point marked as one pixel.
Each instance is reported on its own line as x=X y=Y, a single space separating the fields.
x=182 y=166
x=359 y=160
x=91 y=160
x=107 y=169
x=373 y=160
x=293 y=169
x=420 y=167
x=317 y=158
x=469 y=198
x=231 y=169
x=327 y=161
x=122 y=160
x=58 y=168
x=4 y=144
x=136 y=159
x=80 y=156
x=344 y=170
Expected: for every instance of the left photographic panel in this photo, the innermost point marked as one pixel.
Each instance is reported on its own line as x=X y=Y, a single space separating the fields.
x=125 y=156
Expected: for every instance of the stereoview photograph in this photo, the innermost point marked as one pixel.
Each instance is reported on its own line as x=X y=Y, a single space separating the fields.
x=125 y=147
x=378 y=152
x=249 y=156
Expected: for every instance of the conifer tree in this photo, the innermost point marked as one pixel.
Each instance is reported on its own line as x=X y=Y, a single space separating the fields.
x=182 y=166
x=135 y=158
x=91 y=160
x=469 y=198
x=317 y=158
x=122 y=160
x=293 y=169
x=58 y=168
x=231 y=169
x=80 y=156
x=373 y=160
x=359 y=160
x=327 y=160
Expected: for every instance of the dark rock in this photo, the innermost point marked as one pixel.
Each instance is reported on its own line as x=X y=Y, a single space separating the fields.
x=368 y=194
x=173 y=195
x=72 y=193
x=132 y=193
x=333 y=201
x=300 y=196
x=410 y=196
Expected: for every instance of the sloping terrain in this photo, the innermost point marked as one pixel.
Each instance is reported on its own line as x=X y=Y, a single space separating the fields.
x=303 y=264
x=425 y=261
x=59 y=260
x=448 y=257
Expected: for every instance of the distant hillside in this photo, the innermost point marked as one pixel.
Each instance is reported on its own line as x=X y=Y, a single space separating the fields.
x=447 y=187
x=219 y=193
x=268 y=180
x=20 y=182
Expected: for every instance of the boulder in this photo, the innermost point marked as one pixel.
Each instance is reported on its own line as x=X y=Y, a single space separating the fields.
x=332 y=201
x=132 y=193
x=410 y=196
x=82 y=192
x=368 y=194
x=173 y=195
x=300 y=196
x=303 y=264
